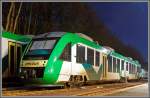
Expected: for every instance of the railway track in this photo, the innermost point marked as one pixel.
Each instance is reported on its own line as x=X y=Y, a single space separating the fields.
x=106 y=90
x=94 y=90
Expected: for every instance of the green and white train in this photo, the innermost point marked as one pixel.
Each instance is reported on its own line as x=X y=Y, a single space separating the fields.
x=57 y=58
x=12 y=46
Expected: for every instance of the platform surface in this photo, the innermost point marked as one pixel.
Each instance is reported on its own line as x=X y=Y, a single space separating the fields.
x=141 y=90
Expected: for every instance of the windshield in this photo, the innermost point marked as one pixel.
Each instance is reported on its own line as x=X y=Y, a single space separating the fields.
x=46 y=44
x=40 y=49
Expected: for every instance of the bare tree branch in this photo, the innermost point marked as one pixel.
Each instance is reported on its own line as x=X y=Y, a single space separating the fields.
x=30 y=20
x=12 y=19
x=9 y=14
x=16 y=20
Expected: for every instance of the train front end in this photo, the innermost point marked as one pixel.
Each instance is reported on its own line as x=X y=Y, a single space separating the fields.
x=35 y=59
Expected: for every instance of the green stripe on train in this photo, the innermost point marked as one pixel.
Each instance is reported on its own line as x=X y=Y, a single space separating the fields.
x=21 y=38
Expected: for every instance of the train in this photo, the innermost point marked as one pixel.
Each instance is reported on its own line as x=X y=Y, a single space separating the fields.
x=64 y=58
x=12 y=46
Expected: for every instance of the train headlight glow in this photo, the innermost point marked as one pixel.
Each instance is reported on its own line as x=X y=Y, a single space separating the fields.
x=20 y=70
x=24 y=71
x=51 y=70
x=55 y=59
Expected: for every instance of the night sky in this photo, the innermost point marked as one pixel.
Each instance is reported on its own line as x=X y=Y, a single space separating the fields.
x=127 y=20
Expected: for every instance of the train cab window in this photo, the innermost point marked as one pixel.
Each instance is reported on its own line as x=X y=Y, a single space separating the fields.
x=66 y=55
x=114 y=64
x=80 y=54
x=90 y=56
x=127 y=66
x=122 y=65
x=97 y=58
x=43 y=44
x=110 y=64
x=118 y=65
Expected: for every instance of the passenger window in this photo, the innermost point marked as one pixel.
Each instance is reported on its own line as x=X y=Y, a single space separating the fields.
x=122 y=65
x=80 y=54
x=90 y=56
x=114 y=64
x=110 y=64
x=66 y=55
x=127 y=66
x=130 y=68
x=97 y=58
x=118 y=65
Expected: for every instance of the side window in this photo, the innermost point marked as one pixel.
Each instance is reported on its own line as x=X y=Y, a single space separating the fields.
x=122 y=65
x=97 y=58
x=114 y=64
x=90 y=56
x=138 y=69
x=127 y=66
x=66 y=55
x=118 y=65
x=80 y=54
x=110 y=64
x=133 y=68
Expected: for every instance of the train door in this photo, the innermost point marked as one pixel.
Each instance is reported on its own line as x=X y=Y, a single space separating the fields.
x=104 y=66
x=18 y=56
x=14 y=53
x=11 y=58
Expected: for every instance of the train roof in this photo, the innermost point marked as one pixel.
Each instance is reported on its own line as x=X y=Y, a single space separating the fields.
x=49 y=35
x=17 y=37
x=128 y=59
x=88 y=41
x=85 y=36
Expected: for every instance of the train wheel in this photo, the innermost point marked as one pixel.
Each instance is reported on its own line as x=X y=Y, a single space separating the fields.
x=123 y=79
x=76 y=81
x=66 y=85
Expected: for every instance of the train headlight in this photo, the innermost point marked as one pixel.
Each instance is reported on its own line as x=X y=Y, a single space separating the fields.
x=20 y=70
x=22 y=77
x=24 y=71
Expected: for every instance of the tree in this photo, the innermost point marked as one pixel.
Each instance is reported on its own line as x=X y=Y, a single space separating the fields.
x=35 y=18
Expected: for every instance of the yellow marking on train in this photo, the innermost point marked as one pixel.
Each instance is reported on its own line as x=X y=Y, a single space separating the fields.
x=34 y=63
